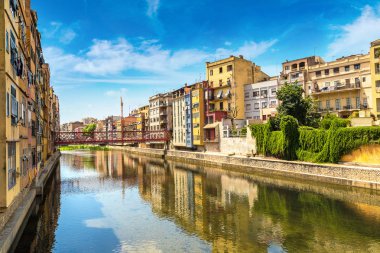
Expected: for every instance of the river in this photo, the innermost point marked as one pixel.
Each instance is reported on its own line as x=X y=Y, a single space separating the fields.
x=110 y=201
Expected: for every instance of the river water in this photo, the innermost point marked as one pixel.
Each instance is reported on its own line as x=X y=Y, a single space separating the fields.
x=110 y=201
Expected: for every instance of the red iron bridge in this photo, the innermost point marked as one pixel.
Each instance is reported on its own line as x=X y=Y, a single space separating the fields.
x=111 y=137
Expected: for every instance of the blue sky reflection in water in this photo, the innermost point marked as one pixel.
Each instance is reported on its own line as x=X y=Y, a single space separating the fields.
x=114 y=202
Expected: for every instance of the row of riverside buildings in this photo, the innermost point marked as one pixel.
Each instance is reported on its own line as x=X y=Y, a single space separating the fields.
x=237 y=90
x=29 y=112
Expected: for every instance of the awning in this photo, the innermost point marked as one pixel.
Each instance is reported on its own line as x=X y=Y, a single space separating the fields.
x=211 y=126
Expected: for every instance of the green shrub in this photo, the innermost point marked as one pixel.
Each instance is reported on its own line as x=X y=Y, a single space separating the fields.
x=275 y=144
x=289 y=129
x=330 y=118
x=312 y=140
x=261 y=133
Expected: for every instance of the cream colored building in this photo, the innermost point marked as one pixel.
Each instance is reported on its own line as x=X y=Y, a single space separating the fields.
x=342 y=86
x=297 y=70
x=179 y=118
x=261 y=100
x=227 y=78
x=375 y=76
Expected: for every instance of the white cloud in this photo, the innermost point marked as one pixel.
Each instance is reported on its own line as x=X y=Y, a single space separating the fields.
x=355 y=37
x=152 y=7
x=112 y=62
x=249 y=50
x=116 y=93
x=67 y=36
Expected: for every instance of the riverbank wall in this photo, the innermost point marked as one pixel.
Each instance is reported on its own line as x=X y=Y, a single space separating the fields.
x=14 y=218
x=357 y=176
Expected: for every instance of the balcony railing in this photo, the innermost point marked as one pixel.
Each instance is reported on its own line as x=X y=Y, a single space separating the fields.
x=338 y=87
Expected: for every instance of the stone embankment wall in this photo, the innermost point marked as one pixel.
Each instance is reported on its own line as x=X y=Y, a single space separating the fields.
x=339 y=174
x=150 y=152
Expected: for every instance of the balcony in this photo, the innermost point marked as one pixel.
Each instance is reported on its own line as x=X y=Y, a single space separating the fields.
x=337 y=88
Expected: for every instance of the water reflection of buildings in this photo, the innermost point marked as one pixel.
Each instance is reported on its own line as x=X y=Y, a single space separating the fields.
x=234 y=213
x=39 y=233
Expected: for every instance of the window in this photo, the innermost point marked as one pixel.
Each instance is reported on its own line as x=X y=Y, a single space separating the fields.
x=378 y=84
x=320 y=105
x=273 y=92
x=221 y=105
x=220 y=70
x=255 y=94
x=357 y=100
x=336 y=70
x=14 y=53
x=357 y=66
x=296 y=75
x=348 y=103
x=273 y=103
x=364 y=79
x=328 y=104
x=347 y=81
x=365 y=102
x=7 y=41
x=357 y=81
x=220 y=82
x=7 y=105
x=377 y=53
x=248 y=107
x=378 y=104
x=211 y=72
x=377 y=68
x=229 y=68
x=23 y=111
x=13 y=7
x=246 y=94
x=286 y=67
x=14 y=106
x=327 y=72
x=318 y=73
x=264 y=104
x=11 y=165
x=327 y=84
x=347 y=68
x=264 y=93
x=257 y=106
x=337 y=104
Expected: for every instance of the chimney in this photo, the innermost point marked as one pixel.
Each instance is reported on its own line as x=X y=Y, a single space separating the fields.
x=241 y=57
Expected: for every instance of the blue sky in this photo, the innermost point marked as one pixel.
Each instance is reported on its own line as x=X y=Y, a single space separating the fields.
x=99 y=50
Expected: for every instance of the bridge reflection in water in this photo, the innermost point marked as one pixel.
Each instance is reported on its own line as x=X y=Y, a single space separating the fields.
x=112 y=201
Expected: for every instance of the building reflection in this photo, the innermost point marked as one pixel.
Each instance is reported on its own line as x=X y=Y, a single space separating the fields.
x=39 y=233
x=231 y=212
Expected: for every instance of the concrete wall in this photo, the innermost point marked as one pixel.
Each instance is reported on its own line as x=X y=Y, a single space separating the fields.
x=238 y=145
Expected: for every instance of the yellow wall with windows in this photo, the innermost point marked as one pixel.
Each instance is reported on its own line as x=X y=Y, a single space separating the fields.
x=375 y=76
x=198 y=115
x=228 y=77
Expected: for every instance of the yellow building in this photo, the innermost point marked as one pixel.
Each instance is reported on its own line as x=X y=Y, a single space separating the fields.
x=142 y=115
x=227 y=78
x=25 y=93
x=375 y=76
x=342 y=86
x=198 y=113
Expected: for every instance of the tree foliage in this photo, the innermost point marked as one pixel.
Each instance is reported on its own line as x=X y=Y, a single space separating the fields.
x=294 y=104
x=89 y=129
